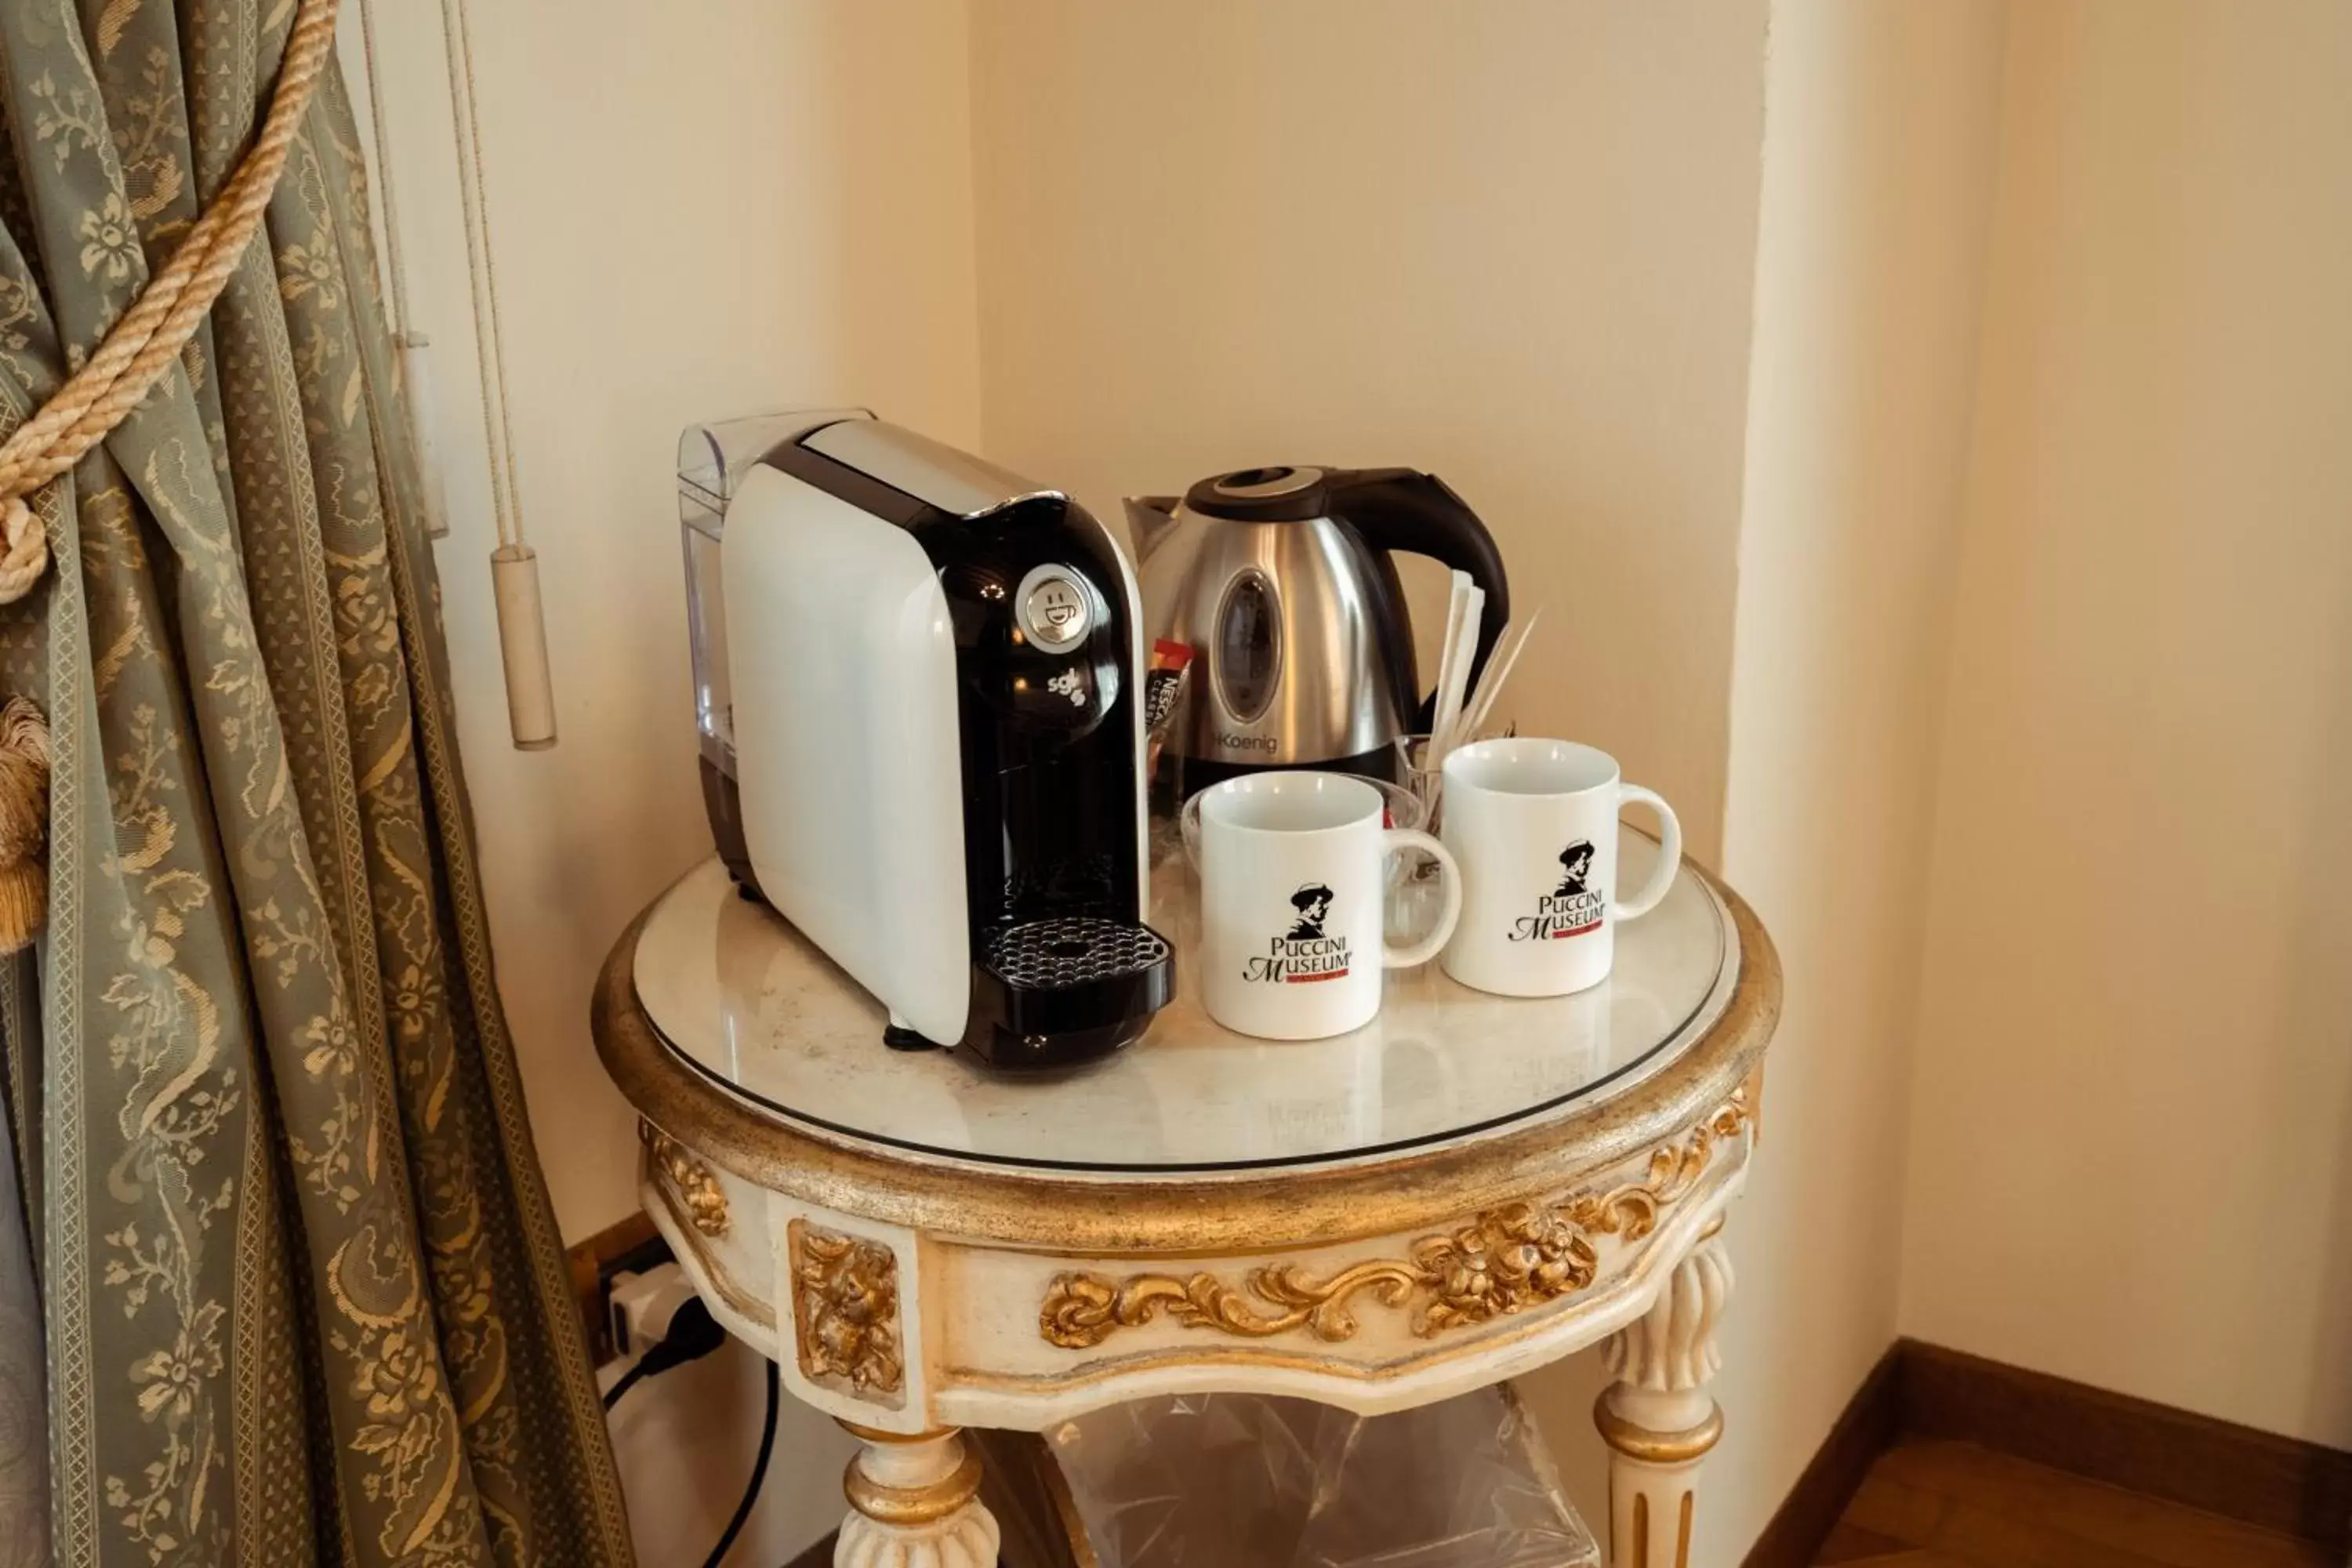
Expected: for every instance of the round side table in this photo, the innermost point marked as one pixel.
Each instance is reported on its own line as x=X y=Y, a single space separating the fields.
x=1463 y=1190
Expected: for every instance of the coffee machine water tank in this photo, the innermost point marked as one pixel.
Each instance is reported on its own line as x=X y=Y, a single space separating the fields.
x=711 y=461
x=919 y=707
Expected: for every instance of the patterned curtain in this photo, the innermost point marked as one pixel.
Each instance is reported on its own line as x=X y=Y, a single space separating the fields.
x=292 y=1284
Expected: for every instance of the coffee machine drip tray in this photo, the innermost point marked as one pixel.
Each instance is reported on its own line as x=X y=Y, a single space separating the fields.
x=1067 y=988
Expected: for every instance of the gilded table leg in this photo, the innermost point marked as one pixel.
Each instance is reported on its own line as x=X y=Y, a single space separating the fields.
x=1657 y=1416
x=914 y=1503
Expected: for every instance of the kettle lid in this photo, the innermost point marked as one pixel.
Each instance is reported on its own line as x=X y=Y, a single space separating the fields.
x=1278 y=494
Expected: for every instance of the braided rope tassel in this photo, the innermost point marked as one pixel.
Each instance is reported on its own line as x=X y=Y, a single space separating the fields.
x=147 y=340
x=23 y=823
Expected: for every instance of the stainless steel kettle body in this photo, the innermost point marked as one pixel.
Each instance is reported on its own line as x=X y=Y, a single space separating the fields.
x=1281 y=581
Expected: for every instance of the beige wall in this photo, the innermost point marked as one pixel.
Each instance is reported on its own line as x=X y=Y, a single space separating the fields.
x=698 y=212
x=2132 y=1123
x=1509 y=243
x=762 y=230
x=1880 y=144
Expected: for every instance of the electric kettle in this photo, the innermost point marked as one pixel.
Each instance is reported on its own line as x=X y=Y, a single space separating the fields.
x=1281 y=581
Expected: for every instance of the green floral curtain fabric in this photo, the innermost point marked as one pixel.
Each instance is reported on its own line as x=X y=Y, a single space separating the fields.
x=299 y=1292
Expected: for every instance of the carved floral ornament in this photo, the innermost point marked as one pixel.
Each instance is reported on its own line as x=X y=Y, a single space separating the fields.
x=692 y=1185
x=1503 y=1261
x=845 y=1310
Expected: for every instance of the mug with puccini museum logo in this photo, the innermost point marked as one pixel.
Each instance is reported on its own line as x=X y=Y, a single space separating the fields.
x=1533 y=825
x=1293 y=892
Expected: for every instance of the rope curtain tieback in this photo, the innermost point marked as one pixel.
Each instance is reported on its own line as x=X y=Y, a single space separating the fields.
x=148 y=339
x=144 y=343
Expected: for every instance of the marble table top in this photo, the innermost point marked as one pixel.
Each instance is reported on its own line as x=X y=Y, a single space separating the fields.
x=740 y=995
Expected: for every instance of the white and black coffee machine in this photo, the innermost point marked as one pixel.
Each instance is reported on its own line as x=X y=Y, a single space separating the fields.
x=918 y=688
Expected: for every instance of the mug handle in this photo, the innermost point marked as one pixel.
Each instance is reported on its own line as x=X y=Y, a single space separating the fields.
x=1670 y=852
x=1449 y=875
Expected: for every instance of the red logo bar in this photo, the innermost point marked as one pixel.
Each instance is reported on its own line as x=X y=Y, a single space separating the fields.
x=1310 y=979
x=1588 y=925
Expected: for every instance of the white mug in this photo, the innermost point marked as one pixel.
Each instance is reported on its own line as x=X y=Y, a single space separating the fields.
x=1533 y=825
x=1293 y=896
x=1403 y=809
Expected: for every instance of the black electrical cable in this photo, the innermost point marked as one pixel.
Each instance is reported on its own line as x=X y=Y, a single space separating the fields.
x=751 y=1487
x=627 y=1381
x=693 y=1334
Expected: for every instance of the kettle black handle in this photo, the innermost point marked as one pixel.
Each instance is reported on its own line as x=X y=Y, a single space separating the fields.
x=1403 y=508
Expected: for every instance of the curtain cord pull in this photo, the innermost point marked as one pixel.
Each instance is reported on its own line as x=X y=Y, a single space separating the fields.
x=425 y=424
x=522 y=644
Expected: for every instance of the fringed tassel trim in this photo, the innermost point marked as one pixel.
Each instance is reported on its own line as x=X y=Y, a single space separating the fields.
x=23 y=823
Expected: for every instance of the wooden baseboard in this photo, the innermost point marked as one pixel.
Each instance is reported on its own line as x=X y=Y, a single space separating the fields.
x=1869 y=1424
x=1924 y=1391
x=2257 y=1477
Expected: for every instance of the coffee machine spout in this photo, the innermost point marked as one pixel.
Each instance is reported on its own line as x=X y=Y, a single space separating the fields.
x=1150 y=518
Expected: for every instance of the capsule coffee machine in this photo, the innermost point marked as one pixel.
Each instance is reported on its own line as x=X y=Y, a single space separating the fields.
x=920 y=708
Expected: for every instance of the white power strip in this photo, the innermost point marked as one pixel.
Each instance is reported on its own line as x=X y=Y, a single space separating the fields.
x=644 y=1304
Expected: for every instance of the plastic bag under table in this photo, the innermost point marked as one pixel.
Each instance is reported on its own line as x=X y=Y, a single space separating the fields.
x=1247 y=1481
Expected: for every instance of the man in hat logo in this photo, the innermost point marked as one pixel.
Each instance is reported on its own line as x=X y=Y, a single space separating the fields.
x=1313 y=901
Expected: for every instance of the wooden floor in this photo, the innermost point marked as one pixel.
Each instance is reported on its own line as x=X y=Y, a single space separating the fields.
x=1955 y=1505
